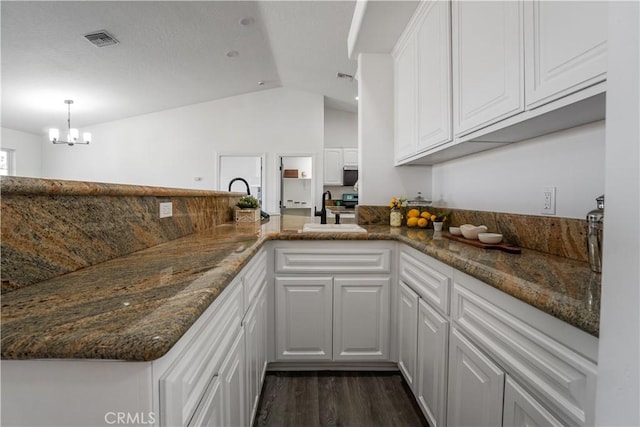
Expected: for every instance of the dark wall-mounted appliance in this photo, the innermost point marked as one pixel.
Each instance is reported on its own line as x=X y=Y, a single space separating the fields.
x=349 y=176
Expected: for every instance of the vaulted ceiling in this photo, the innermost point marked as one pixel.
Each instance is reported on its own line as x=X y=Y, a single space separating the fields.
x=170 y=54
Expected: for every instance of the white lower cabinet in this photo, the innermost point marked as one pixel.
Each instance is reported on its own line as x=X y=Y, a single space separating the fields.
x=210 y=412
x=361 y=318
x=476 y=385
x=232 y=375
x=255 y=325
x=304 y=318
x=433 y=346
x=523 y=410
x=407 y=333
x=332 y=302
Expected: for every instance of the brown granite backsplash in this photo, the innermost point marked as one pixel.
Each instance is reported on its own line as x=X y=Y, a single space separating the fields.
x=53 y=227
x=565 y=237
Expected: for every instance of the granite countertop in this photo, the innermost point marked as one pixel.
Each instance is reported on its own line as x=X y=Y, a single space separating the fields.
x=136 y=307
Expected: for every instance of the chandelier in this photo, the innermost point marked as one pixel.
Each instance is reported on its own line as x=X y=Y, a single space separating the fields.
x=72 y=133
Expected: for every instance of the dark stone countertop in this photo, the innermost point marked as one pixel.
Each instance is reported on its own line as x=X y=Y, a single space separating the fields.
x=136 y=307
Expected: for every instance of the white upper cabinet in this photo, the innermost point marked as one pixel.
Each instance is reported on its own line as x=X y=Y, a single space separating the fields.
x=434 y=76
x=488 y=63
x=350 y=156
x=566 y=43
x=405 y=98
x=333 y=165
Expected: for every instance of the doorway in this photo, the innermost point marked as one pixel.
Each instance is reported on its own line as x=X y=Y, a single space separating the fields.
x=246 y=166
x=296 y=185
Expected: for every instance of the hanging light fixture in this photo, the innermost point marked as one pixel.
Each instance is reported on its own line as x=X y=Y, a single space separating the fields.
x=72 y=133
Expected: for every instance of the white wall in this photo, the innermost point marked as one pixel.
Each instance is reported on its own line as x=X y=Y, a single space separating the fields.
x=340 y=129
x=511 y=178
x=171 y=148
x=27 y=149
x=379 y=180
x=619 y=348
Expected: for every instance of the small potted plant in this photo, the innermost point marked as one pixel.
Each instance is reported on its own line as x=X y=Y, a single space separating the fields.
x=438 y=221
x=247 y=209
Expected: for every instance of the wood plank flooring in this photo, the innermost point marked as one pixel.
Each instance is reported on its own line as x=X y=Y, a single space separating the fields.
x=308 y=399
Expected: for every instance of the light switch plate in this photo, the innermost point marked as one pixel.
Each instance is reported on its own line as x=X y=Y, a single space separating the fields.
x=548 y=201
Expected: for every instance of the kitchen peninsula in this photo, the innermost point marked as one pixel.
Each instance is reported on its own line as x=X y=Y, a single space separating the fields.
x=137 y=308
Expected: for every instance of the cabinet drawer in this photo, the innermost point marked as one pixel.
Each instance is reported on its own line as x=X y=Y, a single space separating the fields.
x=428 y=277
x=256 y=275
x=558 y=376
x=347 y=260
x=185 y=382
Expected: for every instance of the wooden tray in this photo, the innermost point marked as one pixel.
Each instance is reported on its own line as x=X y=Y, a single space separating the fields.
x=502 y=246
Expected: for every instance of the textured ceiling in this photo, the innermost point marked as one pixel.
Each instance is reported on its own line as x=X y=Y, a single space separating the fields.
x=170 y=54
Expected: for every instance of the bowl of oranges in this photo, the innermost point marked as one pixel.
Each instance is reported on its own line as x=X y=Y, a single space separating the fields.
x=418 y=219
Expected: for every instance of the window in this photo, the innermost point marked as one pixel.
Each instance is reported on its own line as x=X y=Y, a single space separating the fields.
x=7 y=162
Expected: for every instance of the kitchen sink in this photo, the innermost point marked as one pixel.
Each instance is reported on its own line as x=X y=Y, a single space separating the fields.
x=328 y=228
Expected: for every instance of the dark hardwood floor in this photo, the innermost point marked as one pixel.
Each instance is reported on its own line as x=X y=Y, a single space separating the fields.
x=368 y=399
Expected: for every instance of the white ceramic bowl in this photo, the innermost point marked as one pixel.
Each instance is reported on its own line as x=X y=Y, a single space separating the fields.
x=470 y=231
x=455 y=231
x=490 y=237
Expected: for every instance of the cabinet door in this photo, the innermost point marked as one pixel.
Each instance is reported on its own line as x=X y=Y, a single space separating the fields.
x=361 y=318
x=350 y=156
x=211 y=408
x=405 y=99
x=333 y=166
x=407 y=333
x=304 y=307
x=434 y=76
x=476 y=385
x=566 y=45
x=255 y=351
x=522 y=410
x=488 y=62
x=232 y=375
x=431 y=379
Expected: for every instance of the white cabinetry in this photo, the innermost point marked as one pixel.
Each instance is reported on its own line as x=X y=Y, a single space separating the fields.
x=350 y=157
x=433 y=344
x=255 y=325
x=517 y=70
x=333 y=166
x=361 y=318
x=335 y=160
x=567 y=42
x=553 y=362
x=405 y=101
x=232 y=376
x=407 y=333
x=422 y=81
x=522 y=410
x=488 y=63
x=332 y=302
x=423 y=302
x=434 y=76
x=304 y=318
x=476 y=385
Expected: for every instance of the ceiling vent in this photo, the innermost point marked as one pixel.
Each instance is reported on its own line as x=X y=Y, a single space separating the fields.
x=101 y=39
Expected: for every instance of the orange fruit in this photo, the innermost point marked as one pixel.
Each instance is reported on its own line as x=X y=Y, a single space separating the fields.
x=413 y=213
x=426 y=215
x=412 y=222
x=422 y=223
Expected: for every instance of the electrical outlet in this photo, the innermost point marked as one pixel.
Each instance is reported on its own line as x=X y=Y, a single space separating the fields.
x=548 y=201
x=166 y=209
